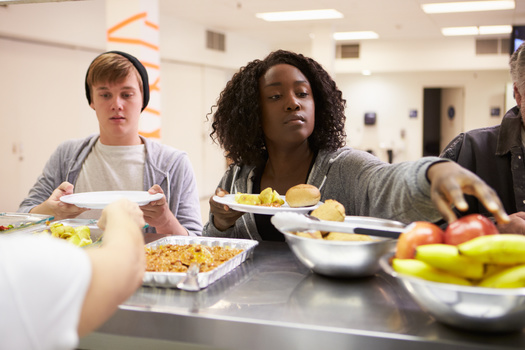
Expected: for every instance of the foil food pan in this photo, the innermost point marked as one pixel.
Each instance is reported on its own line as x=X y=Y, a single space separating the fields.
x=204 y=279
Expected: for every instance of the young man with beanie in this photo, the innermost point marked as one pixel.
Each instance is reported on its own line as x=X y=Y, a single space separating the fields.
x=118 y=158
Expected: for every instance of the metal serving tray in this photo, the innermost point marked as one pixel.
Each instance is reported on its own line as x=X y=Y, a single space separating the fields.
x=172 y=279
x=22 y=220
x=95 y=231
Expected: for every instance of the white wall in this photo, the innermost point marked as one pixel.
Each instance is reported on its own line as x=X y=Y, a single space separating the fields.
x=46 y=48
x=393 y=95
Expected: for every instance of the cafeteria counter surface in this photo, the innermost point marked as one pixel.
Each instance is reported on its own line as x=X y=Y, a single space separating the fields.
x=272 y=301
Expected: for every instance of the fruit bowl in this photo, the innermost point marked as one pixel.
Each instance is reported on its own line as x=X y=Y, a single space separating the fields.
x=466 y=307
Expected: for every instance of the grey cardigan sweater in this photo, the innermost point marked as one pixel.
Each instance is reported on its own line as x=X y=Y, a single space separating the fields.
x=164 y=165
x=364 y=184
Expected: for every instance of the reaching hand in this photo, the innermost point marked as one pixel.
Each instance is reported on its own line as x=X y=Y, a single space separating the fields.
x=121 y=212
x=448 y=184
x=515 y=225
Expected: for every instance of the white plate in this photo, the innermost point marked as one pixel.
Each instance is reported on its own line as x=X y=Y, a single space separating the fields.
x=229 y=200
x=99 y=200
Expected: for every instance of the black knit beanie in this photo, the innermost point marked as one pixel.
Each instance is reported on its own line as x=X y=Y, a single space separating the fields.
x=140 y=68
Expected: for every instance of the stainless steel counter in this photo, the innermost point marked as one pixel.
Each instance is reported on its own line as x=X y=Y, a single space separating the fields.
x=272 y=301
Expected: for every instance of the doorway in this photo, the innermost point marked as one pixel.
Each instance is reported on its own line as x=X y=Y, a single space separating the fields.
x=443 y=110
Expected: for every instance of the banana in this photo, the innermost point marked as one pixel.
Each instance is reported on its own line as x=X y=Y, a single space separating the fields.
x=495 y=249
x=511 y=277
x=492 y=269
x=423 y=270
x=446 y=257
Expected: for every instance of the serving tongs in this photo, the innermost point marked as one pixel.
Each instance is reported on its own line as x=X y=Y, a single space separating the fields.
x=289 y=222
x=190 y=282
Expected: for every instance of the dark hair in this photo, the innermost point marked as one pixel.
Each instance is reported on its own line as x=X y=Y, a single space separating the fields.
x=236 y=122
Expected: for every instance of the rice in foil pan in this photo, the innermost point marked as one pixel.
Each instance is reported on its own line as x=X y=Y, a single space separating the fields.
x=204 y=279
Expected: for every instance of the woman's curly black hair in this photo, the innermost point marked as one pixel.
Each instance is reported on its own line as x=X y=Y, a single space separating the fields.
x=236 y=122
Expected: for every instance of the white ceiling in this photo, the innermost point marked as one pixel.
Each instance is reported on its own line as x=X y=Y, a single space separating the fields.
x=391 y=19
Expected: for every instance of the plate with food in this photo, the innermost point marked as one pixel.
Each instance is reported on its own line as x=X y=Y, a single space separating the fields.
x=299 y=199
x=100 y=199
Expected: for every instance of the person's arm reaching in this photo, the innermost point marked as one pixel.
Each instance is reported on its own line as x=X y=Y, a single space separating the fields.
x=449 y=182
x=118 y=265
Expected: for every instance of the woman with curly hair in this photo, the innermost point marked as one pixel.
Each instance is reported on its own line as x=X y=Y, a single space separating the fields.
x=281 y=122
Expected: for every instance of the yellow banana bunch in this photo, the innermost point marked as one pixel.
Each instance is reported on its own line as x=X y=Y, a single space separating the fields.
x=423 y=270
x=446 y=257
x=496 y=249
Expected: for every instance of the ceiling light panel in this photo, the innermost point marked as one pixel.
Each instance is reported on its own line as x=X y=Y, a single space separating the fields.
x=481 y=30
x=486 y=30
x=470 y=6
x=355 y=35
x=299 y=15
x=455 y=31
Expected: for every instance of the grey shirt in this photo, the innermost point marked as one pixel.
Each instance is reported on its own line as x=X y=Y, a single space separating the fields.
x=364 y=184
x=164 y=165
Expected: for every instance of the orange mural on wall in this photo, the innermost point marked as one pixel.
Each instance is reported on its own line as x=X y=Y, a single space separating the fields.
x=138 y=34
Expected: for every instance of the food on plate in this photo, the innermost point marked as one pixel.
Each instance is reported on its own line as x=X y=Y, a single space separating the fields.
x=268 y=198
x=468 y=227
x=79 y=236
x=330 y=210
x=416 y=234
x=302 y=195
x=246 y=198
x=446 y=257
x=5 y=228
x=496 y=249
x=177 y=258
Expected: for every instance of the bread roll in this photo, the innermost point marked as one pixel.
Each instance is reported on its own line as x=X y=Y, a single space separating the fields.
x=341 y=236
x=330 y=210
x=310 y=234
x=302 y=196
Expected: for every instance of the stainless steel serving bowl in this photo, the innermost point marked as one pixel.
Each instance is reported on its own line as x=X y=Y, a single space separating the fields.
x=471 y=308
x=339 y=258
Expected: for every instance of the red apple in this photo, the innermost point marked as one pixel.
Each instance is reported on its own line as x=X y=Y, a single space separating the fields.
x=469 y=227
x=416 y=234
